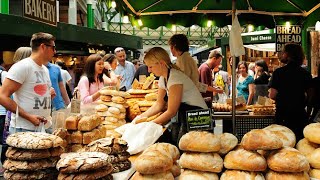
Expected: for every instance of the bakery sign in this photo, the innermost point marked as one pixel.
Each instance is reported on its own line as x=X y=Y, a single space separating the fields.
x=41 y=10
x=199 y=119
x=287 y=34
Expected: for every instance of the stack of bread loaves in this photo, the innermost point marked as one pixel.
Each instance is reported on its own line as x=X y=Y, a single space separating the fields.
x=32 y=155
x=310 y=147
x=84 y=130
x=201 y=156
x=84 y=165
x=158 y=161
x=116 y=148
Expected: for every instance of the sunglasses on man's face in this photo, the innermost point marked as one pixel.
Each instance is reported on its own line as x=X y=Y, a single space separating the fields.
x=49 y=45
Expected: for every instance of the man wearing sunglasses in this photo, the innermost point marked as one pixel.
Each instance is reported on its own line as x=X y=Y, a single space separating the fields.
x=124 y=68
x=29 y=80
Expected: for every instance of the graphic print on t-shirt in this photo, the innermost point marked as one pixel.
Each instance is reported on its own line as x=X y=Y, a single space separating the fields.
x=41 y=88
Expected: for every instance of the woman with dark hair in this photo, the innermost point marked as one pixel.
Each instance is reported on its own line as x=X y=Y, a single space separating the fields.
x=290 y=86
x=112 y=60
x=110 y=64
x=245 y=84
x=261 y=79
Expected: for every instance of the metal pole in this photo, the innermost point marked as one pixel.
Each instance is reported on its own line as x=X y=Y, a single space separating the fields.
x=89 y=14
x=4 y=7
x=233 y=79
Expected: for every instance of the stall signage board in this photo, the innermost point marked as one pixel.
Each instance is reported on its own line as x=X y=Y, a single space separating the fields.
x=287 y=34
x=199 y=119
x=41 y=10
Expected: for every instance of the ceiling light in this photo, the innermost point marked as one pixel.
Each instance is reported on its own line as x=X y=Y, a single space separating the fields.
x=250 y=28
x=174 y=27
x=113 y=4
x=209 y=23
x=140 y=22
x=287 y=24
x=317 y=26
x=125 y=19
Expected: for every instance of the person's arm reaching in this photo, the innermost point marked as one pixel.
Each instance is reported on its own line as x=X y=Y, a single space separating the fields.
x=64 y=93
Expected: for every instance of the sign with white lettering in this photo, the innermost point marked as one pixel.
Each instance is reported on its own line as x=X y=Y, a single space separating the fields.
x=287 y=34
x=199 y=119
x=41 y=10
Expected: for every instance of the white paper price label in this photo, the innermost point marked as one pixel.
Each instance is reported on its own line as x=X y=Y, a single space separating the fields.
x=75 y=106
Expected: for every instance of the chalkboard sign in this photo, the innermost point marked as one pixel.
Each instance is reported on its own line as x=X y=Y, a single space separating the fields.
x=287 y=34
x=199 y=119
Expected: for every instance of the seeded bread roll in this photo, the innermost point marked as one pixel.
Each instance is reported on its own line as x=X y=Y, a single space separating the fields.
x=312 y=132
x=210 y=162
x=260 y=139
x=200 y=141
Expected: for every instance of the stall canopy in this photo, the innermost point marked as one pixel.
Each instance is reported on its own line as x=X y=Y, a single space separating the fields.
x=155 y=13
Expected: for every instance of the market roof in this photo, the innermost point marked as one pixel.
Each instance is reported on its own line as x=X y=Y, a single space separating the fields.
x=155 y=13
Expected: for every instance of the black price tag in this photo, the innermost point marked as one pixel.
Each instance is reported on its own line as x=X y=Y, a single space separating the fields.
x=199 y=119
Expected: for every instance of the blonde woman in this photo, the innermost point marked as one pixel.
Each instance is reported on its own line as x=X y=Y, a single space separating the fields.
x=175 y=88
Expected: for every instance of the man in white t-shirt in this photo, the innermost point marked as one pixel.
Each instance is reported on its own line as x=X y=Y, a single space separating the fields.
x=29 y=81
x=125 y=69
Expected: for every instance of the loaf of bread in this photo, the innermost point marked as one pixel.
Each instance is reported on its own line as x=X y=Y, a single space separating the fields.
x=200 y=141
x=285 y=134
x=260 y=139
x=312 y=132
x=87 y=123
x=197 y=175
x=105 y=98
x=228 y=142
x=241 y=159
x=118 y=99
x=314 y=158
x=163 y=176
x=245 y=175
x=76 y=137
x=103 y=130
x=72 y=122
x=93 y=135
x=287 y=159
x=76 y=147
x=272 y=175
x=121 y=107
x=210 y=162
x=114 y=110
x=166 y=148
x=306 y=147
x=151 y=97
x=101 y=108
x=314 y=173
x=114 y=93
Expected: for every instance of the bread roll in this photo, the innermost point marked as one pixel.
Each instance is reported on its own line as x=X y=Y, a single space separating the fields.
x=118 y=99
x=112 y=104
x=105 y=98
x=260 y=139
x=306 y=147
x=272 y=175
x=287 y=159
x=114 y=110
x=239 y=175
x=151 y=97
x=312 y=132
x=87 y=123
x=72 y=123
x=285 y=134
x=242 y=159
x=197 y=175
x=210 y=162
x=163 y=176
x=314 y=173
x=101 y=108
x=314 y=158
x=228 y=142
x=200 y=141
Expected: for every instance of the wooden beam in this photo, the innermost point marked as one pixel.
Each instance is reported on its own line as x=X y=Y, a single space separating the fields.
x=140 y=11
x=313 y=9
x=130 y=7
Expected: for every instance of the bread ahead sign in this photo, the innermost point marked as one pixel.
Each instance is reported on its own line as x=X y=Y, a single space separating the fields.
x=287 y=34
x=41 y=10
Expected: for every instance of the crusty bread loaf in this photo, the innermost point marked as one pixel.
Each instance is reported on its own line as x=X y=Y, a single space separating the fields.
x=101 y=108
x=90 y=136
x=272 y=175
x=76 y=137
x=200 y=141
x=87 y=123
x=314 y=173
x=285 y=134
x=241 y=175
x=210 y=162
x=287 y=159
x=151 y=97
x=72 y=123
x=314 y=158
x=103 y=130
x=306 y=147
x=118 y=99
x=241 y=159
x=228 y=142
x=197 y=175
x=164 y=148
x=260 y=139
x=312 y=132
x=163 y=176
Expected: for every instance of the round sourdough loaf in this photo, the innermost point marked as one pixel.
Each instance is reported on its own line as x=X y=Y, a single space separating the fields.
x=306 y=147
x=241 y=159
x=210 y=162
x=197 y=175
x=314 y=158
x=287 y=159
x=163 y=176
x=314 y=173
x=228 y=142
x=108 y=145
x=285 y=134
x=272 y=175
x=32 y=154
x=13 y=165
x=245 y=175
x=312 y=132
x=260 y=139
x=48 y=174
x=200 y=141
x=103 y=172
x=121 y=166
x=34 y=140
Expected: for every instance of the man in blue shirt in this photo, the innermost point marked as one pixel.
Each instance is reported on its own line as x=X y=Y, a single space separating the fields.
x=125 y=68
x=61 y=100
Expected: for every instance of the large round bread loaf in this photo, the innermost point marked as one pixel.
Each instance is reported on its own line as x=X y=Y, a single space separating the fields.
x=170 y=149
x=314 y=158
x=241 y=159
x=228 y=142
x=314 y=173
x=32 y=154
x=260 y=139
x=272 y=175
x=285 y=134
x=312 y=132
x=287 y=160
x=39 y=164
x=197 y=175
x=237 y=175
x=210 y=162
x=163 y=176
x=306 y=147
x=200 y=141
